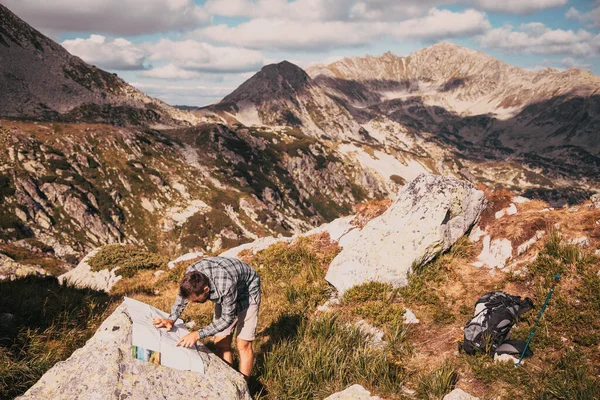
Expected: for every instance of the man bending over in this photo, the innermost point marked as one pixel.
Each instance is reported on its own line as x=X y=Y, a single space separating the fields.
x=234 y=287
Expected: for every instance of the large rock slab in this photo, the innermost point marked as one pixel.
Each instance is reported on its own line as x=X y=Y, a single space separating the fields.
x=104 y=369
x=82 y=276
x=10 y=269
x=427 y=217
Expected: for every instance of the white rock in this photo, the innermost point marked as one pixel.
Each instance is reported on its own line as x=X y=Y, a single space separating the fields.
x=458 y=394
x=374 y=334
x=476 y=234
x=410 y=317
x=82 y=276
x=428 y=216
x=495 y=253
x=185 y=257
x=506 y=358
x=583 y=242
x=596 y=200
x=327 y=305
x=256 y=246
x=526 y=245
x=105 y=369
x=510 y=210
x=159 y=273
x=597 y=252
x=520 y=200
x=354 y=392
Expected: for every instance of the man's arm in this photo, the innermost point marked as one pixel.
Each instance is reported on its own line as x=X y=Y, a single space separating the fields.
x=228 y=314
x=178 y=307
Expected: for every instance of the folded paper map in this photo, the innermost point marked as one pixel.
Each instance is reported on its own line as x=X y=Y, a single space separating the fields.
x=159 y=346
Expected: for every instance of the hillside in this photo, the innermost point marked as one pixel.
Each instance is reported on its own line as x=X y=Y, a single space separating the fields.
x=40 y=80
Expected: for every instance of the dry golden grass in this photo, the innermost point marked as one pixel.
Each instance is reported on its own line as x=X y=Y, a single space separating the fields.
x=368 y=210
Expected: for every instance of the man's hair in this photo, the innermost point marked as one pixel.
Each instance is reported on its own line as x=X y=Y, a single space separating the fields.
x=192 y=283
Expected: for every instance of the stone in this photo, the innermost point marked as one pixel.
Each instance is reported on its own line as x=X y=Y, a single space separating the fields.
x=495 y=253
x=328 y=304
x=520 y=200
x=82 y=276
x=459 y=394
x=111 y=372
x=510 y=210
x=476 y=234
x=159 y=273
x=185 y=257
x=10 y=269
x=256 y=246
x=595 y=200
x=354 y=392
x=527 y=245
x=374 y=334
x=582 y=242
x=410 y=317
x=506 y=358
x=429 y=215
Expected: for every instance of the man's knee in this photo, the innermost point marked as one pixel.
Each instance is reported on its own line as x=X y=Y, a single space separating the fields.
x=244 y=345
x=223 y=343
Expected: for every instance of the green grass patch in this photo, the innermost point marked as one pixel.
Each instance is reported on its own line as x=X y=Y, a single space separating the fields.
x=323 y=357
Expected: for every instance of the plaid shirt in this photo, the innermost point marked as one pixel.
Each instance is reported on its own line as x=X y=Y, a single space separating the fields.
x=233 y=284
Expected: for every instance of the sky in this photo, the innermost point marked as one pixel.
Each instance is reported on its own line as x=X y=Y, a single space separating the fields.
x=195 y=52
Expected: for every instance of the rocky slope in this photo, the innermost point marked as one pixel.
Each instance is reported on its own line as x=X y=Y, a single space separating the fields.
x=68 y=188
x=39 y=79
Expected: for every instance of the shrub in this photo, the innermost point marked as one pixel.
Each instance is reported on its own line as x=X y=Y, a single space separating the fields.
x=438 y=382
x=127 y=258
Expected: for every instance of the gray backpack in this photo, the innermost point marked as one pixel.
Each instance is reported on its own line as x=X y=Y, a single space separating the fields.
x=489 y=329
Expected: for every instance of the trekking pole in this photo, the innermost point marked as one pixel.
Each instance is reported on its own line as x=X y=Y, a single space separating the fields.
x=556 y=280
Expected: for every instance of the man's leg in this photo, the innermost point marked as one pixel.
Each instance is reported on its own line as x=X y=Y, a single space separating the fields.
x=246 y=356
x=223 y=347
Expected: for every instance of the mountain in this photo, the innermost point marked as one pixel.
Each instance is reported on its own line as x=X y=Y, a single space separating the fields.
x=39 y=79
x=444 y=109
x=284 y=95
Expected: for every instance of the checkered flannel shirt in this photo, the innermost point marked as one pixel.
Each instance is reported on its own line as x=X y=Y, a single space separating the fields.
x=233 y=284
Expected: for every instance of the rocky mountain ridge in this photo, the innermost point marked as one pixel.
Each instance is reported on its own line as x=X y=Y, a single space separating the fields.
x=39 y=79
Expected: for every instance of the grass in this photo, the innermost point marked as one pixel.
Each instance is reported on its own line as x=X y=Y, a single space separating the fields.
x=50 y=322
x=323 y=357
x=128 y=259
x=438 y=382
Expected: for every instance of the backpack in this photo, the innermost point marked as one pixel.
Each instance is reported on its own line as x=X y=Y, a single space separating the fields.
x=488 y=330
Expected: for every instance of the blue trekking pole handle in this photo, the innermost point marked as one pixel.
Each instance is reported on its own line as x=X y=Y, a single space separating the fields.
x=556 y=280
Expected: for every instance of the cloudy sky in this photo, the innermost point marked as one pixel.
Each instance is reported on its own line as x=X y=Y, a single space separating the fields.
x=194 y=52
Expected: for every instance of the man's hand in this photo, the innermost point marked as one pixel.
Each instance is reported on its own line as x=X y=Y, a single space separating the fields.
x=163 y=323
x=189 y=340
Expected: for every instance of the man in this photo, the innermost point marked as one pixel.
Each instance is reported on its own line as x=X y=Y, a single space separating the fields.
x=235 y=288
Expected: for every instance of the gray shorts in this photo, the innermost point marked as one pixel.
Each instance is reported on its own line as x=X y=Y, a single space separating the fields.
x=245 y=322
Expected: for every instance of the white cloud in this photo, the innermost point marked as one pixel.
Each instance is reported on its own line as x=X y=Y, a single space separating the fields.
x=287 y=34
x=170 y=71
x=115 y=17
x=536 y=38
x=591 y=18
x=570 y=62
x=362 y=10
x=517 y=6
x=119 y=54
x=198 y=56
